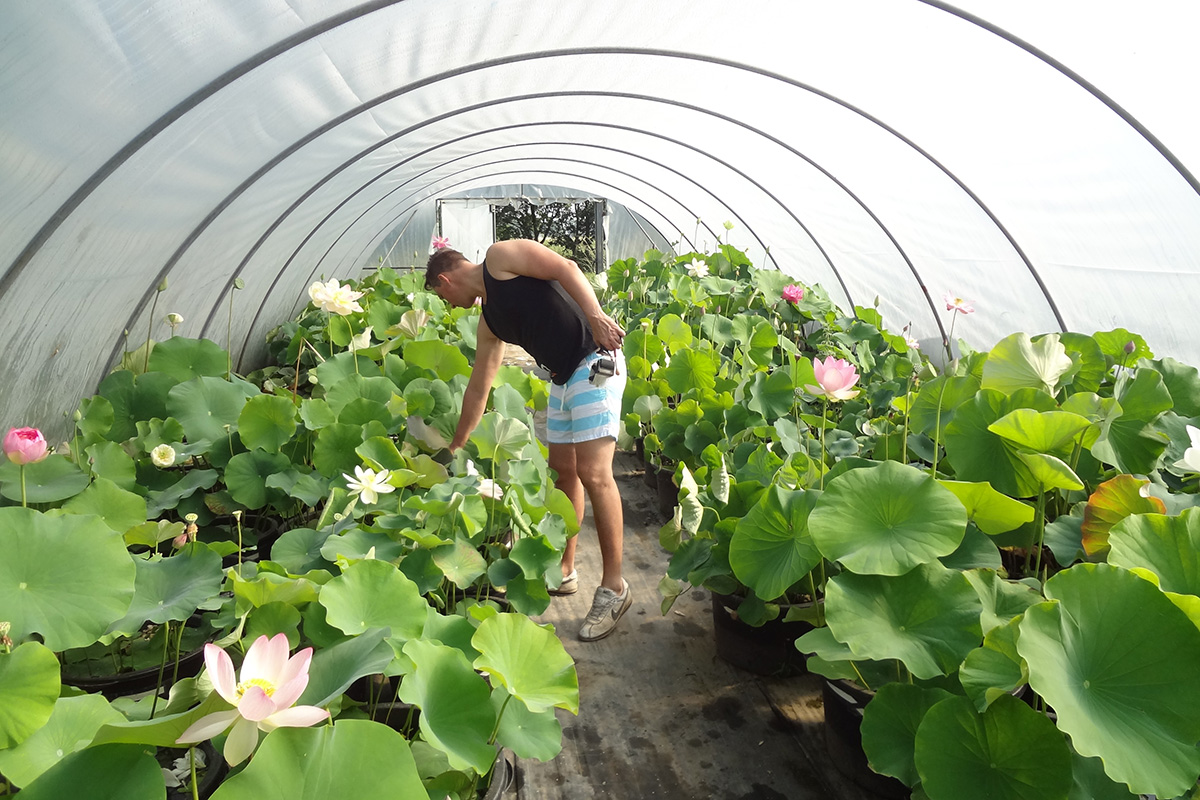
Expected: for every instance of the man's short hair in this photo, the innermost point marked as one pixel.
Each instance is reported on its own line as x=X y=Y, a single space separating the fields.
x=443 y=260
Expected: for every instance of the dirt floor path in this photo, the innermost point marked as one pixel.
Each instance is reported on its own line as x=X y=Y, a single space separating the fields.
x=661 y=716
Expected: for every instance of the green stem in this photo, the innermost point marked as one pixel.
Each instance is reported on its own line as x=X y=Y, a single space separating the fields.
x=824 y=413
x=162 y=668
x=937 y=426
x=195 y=785
x=238 y=519
x=353 y=353
x=229 y=339
x=21 y=468
x=178 y=646
x=150 y=330
x=1040 y=526
x=861 y=679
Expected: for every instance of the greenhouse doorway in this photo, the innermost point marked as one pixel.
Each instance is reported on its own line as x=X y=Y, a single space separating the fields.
x=574 y=226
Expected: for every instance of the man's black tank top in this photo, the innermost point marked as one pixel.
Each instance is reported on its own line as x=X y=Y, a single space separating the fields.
x=542 y=318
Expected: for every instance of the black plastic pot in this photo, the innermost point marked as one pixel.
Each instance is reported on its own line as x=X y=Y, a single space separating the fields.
x=214 y=774
x=844 y=705
x=400 y=717
x=650 y=475
x=504 y=774
x=668 y=492
x=138 y=681
x=768 y=649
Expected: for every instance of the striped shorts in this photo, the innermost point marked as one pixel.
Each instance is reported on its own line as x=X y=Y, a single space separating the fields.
x=581 y=411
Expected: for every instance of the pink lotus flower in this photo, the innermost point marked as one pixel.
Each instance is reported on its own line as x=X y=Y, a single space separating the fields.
x=958 y=304
x=270 y=684
x=25 y=445
x=440 y=242
x=793 y=293
x=835 y=377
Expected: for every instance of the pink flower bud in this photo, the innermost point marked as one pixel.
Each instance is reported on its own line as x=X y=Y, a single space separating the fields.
x=180 y=541
x=25 y=445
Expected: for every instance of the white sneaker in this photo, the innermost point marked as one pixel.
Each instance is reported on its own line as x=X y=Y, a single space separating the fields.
x=607 y=608
x=569 y=585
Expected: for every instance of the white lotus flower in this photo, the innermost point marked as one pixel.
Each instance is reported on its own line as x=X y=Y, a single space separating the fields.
x=489 y=488
x=334 y=297
x=1191 y=456
x=368 y=484
x=697 y=269
x=163 y=456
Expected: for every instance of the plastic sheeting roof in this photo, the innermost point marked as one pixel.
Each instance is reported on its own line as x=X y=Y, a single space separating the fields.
x=1037 y=156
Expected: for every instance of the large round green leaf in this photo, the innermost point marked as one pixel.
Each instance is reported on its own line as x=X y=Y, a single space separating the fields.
x=351 y=758
x=120 y=509
x=771 y=395
x=71 y=727
x=889 y=727
x=335 y=667
x=1116 y=659
x=246 y=476
x=29 y=684
x=691 y=369
x=66 y=577
x=1009 y=752
x=938 y=400
x=267 y=422
x=207 y=408
x=771 y=547
x=444 y=360
x=334 y=453
x=500 y=438
x=1167 y=546
x=927 y=618
x=528 y=660
x=104 y=772
x=50 y=480
x=172 y=588
x=456 y=711
x=886 y=519
x=374 y=594
x=459 y=561
x=995 y=669
x=1127 y=439
x=184 y=359
x=1051 y=432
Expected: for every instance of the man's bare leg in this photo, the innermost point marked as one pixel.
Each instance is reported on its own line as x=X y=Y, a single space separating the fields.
x=562 y=461
x=593 y=469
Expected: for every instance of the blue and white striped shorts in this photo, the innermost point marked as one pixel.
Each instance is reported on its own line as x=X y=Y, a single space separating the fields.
x=581 y=411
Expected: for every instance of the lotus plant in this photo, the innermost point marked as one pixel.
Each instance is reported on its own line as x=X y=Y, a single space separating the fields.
x=835 y=380
x=263 y=696
x=24 y=446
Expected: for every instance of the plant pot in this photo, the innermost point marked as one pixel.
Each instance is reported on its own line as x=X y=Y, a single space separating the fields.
x=639 y=447
x=215 y=772
x=769 y=649
x=122 y=684
x=668 y=492
x=844 y=704
x=504 y=774
x=650 y=475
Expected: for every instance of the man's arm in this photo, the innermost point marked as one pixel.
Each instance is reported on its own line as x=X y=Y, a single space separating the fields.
x=489 y=355
x=525 y=257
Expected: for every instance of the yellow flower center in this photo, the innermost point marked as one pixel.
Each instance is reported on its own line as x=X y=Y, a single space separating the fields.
x=265 y=685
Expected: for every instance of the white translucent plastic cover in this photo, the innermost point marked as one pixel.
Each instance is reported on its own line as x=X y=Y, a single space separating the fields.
x=1034 y=156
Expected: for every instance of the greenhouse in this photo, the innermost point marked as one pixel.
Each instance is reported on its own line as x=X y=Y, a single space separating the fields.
x=846 y=351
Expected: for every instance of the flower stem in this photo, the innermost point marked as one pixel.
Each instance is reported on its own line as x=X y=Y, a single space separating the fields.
x=150 y=330
x=195 y=785
x=21 y=468
x=353 y=352
x=162 y=668
x=824 y=413
x=229 y=339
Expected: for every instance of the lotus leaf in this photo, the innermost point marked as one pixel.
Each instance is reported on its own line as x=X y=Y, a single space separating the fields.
x=529 y=661
x=66 y=577
x=928 y=618
x=1114 y=657
x=102 y=772
x=70 y=728
x=29 y=684
x=183 y=358
x=456 y=710
x=441 y=358
x=374 y=594
x=1016 y=362
x=1113 y=501
x=322 y=762
x=171 y=588
x=267 y=422
x=1012 y=750
x=886 y=519
x=994 y=669
x=1167 y=546
x=889 y=728
x=772 y=547
x=51 y=480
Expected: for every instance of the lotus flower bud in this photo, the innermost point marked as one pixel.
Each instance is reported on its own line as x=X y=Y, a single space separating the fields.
x=163 y=456
x=1130 y=347
x=180 y=541
x=25 y=446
